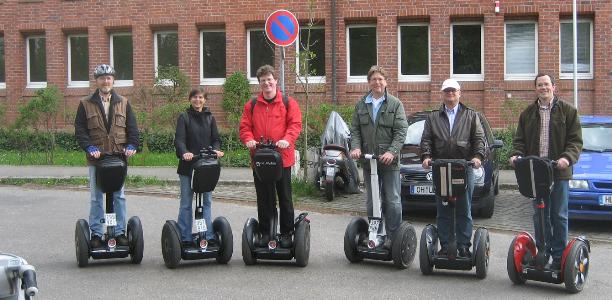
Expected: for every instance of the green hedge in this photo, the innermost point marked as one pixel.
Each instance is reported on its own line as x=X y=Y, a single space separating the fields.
x=506 y=135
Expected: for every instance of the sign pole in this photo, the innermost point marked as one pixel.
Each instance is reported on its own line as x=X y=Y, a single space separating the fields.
x=282 y=70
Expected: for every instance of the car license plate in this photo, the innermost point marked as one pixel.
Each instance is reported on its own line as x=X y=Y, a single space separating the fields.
x=374 y=225
x=200 y=225
x=421 y=190
x=606 y=199
x=110 y=219
x=330 y=172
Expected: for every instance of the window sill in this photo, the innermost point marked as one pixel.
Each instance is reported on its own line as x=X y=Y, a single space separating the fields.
x=78 y=84
x=414 y=78
x=212 y=81
x=311 y=80
x=357 y=79
x=2 y=85
x=36 y=85
x=122 y=83
x=579 y=76
x=468 y=77
x=513 y=77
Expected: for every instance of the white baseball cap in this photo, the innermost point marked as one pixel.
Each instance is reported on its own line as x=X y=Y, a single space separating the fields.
x=450 y=83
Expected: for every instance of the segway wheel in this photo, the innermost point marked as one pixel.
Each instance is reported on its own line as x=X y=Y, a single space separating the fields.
x=482 y=253
x=513 y=274
x=135 y=239
x=250 y=228
x=171 y=244
x=223 y=230
x=576 y=267
x=302 y=243
x=429 y=240
x=404 y=246
x=355 y=232
x=81 y=243
x=329 y=190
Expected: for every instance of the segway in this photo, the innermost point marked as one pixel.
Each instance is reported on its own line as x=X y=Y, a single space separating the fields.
x=17 y=278
x=365 y=239
x=269 y=168
x=111 y=170
x=528 y=260
x=450 y=183
x=206 y=171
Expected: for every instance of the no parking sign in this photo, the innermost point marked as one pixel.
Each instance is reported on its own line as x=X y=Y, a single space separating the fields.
x=282 y=28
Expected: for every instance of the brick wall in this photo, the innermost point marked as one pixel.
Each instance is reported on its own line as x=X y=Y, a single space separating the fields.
x=56 y=19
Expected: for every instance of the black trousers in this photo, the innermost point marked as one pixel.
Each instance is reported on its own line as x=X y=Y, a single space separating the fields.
x=266 y=202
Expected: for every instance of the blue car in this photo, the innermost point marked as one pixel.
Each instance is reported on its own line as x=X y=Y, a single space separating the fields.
x=590 y=190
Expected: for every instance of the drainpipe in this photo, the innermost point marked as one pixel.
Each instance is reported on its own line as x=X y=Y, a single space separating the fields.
x=333 y=59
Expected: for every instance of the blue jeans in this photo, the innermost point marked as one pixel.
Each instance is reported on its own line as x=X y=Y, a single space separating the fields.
x=463 y=216
x=555 y=220
x=98 y=207
x=185 y=217
x=391 y=205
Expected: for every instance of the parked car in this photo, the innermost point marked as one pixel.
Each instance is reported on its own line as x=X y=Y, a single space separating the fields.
x=417 y=188
x=590 y=190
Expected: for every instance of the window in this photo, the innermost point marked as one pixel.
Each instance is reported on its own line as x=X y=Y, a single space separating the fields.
x=521 y=50
x=122 y=58
x=37 y=62
x=413 y=56
x=467 y=57
x=2 y=72
x=316 y=65
x=361 y=56
x=212 y=57
x=166 y=49
x=585 y=49
x=260 y=52
x=78 y=61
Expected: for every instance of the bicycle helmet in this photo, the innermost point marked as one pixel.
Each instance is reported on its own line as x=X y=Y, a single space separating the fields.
x=103 y=70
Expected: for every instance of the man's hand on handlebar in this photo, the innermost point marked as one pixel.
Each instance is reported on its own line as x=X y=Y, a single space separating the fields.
x=356 y=153
x=387 y=158
x=251 y=144
x=129 y=150
x=188 y=156
x=282 y=144
x=426 y=163
x=562 y=163
x=93 y=151
x=219 y=153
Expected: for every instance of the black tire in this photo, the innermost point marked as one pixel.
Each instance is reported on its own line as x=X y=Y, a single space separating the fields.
x=576 y=269
x=223 y=230
x=302 y=243
x=404 y=246
x=429 y=240
x=81 y=243
x=329 y=190
x=486 y=211
x=515 y=277
x=482 y=253
x=171 y=244
x=355 y=231
x=496 y=191
x=135 y=239
x=250 y=228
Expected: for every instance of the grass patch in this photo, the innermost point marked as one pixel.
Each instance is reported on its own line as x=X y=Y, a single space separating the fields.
x=130 y=181
x=303 y=189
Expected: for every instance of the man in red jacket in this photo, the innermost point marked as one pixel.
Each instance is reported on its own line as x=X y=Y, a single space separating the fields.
x=272 y=119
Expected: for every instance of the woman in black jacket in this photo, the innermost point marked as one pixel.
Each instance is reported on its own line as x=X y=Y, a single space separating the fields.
x=196 y=129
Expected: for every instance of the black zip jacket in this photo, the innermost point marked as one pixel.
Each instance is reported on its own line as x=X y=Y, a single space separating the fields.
x=193 y=135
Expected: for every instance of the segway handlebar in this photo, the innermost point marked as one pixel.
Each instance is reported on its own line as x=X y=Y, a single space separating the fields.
x=29 y=281
x=552 y=162
x=368 y=156
x=208 y=153
x=468 y=162
x=265 y=144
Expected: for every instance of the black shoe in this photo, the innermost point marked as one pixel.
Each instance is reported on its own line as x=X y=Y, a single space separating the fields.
x=388 y=242
x=213 y=243
x=464 y=252
x=96 y=241
x=122 y=240
x=187 y=244
x=443 y=251
x=285 y=241
x=263 y=240
x=556 y=264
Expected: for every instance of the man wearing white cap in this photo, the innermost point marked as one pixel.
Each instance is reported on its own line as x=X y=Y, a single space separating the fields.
x=454 y=132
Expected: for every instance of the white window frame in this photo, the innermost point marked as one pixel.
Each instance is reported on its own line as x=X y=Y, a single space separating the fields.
x=468 y=77
x=33 y=85
x=208 y=81
x=3 y=84
x=311 y=79
x=363 y=78
x=415 y=78
x=155 y=54
x=571 y=74
x=252 y=80
x=120 y=83
x=524 y=76
x=78 y=83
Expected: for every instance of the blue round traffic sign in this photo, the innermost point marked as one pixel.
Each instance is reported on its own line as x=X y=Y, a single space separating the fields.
x=282 y=28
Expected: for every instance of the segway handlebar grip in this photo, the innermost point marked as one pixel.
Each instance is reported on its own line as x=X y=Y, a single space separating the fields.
x=29 y=281
x=369 y=156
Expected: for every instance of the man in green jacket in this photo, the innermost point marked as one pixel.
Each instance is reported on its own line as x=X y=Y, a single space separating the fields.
x=379 y=127
x=551 y=128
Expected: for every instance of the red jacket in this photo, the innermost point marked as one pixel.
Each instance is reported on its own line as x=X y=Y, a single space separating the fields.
x=272 y=121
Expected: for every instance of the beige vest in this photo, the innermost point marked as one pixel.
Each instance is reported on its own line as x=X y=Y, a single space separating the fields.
x=115 y=140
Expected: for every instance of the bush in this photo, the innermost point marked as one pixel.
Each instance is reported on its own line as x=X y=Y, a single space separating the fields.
x=507 y=136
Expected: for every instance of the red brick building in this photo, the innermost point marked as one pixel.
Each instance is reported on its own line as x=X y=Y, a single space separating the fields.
x=494 y=55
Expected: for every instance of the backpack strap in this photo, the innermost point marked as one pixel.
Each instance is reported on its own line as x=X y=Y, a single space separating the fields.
x=285 y=102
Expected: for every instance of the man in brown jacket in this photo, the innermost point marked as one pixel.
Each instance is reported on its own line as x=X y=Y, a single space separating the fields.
x=105 y=123
x=551 y=128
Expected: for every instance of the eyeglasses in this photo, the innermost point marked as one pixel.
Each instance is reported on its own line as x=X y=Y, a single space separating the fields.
x=450 y=90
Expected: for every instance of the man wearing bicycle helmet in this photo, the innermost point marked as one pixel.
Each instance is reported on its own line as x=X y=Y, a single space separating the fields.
x=105 y=123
